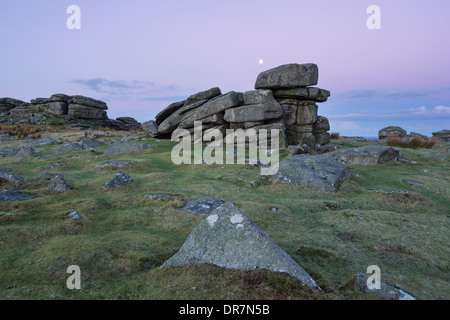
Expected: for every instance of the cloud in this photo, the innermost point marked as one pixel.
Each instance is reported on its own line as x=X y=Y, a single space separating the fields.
x=422 y=113
x=394 y=94
x=120 y=90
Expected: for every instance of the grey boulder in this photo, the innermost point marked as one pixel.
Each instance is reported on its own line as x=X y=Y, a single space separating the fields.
x=366 y=156
x=120 y=180
x=320 y=172
x=6 y=174
x=392 y=131
x=150 y=128
x=203 y=206
x=386 y=291
x=288 y=76
x=24 y=152
x=118 y=147
x=230 y=239
x=58 y=184
x=113 y=163
x=14 y=195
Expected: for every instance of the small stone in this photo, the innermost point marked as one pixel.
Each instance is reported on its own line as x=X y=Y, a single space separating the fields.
x=74 y=215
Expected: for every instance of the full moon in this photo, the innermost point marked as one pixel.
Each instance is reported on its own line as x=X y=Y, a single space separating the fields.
x=261 y=61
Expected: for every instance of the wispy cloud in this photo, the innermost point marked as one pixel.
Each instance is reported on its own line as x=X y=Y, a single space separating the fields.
x=120 y=90
x=423 y=113
x=394 y=94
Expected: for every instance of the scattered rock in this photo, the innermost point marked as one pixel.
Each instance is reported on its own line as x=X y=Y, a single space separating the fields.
x=203 y=206
x=229 y=239
x=24 y=152
x=74 y=215
x=58 y=184
x=5 y=174
x=386 y=290
x=120 y=180
x=14 y=195
x=320 y=172
x=118 y=147
x=9 y=214
x=53 y=165
x=113 y=163
x=74 y=146
x=157 y=196
x=5 y=138
x=89 y=143
x=414 y=184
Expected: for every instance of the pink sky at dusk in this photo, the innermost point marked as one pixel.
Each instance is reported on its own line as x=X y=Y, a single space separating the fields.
x=139 y=56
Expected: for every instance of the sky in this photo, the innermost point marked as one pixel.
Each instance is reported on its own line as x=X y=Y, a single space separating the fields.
x=141 y=55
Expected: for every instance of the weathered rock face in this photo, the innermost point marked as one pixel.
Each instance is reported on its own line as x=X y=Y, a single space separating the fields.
x=259 y=106
x=321 y=172
x=229 y=239
x=129 y=123
x=366 y=156
x=118 y=147
x=443 y=135
x=7 y=104
x=392 y=131
x=89 y=143
x=282 y=96
x=150 y=128
x=288 y=76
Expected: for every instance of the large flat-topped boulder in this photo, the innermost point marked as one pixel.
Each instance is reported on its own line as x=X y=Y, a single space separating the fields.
x=230 y=239
x=392 y=131
x=321 y=172
x=89 y=102
x=288 y=76
x=86 y=112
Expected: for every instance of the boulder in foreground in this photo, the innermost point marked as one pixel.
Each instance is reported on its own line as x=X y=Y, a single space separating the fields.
x=228 y=238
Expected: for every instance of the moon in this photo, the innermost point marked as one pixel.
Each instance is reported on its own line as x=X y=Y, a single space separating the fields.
x=261 y=61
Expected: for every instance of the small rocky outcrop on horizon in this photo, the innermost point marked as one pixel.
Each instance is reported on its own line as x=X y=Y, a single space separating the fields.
x=76 y=112
x=283 y=99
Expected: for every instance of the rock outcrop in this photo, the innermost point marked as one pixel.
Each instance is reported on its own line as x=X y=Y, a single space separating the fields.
x=230 y=239
x=443 y=135
x=366 y=156
x=392 y=131
x=283 y=100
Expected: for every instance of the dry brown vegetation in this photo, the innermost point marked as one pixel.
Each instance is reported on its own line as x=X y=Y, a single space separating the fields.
x=412 y=143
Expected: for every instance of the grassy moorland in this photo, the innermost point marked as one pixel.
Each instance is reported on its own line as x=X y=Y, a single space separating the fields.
x=125 y=237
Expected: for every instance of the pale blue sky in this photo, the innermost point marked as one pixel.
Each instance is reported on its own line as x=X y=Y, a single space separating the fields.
x=139 y=56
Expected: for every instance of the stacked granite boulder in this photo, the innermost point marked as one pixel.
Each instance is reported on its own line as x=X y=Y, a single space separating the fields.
x=283 y=100
x=76 y=111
